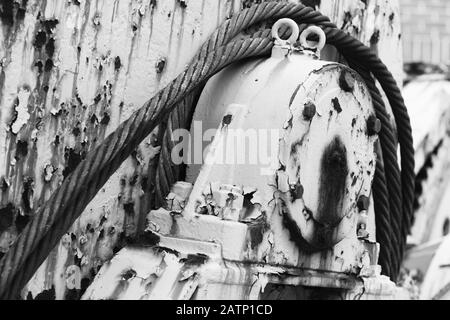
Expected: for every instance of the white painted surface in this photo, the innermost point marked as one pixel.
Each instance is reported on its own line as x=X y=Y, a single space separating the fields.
x=88 y=38
x=271 y=94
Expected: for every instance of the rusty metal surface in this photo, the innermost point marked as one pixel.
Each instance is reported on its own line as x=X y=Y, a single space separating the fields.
x=328 y=158
x=71 y=71
x=159 y=273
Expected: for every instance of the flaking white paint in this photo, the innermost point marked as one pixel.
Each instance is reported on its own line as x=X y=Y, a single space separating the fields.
x=88 y=38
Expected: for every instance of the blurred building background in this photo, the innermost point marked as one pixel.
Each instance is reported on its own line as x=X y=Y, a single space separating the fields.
x=426 y=30
x=426 y=53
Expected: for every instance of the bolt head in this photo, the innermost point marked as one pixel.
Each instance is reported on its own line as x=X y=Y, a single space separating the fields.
x=363 y=203
x=373 y=126
x=363 y=233
x=296 y=191
x=226 y=121
x=309 y=111
x=347 y=81
x=307 y=214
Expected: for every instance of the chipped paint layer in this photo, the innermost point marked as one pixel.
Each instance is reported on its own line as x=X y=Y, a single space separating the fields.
x=158 y=273
x=21 y=115
x=303 y=212
x=312 y=207
x=65 y=84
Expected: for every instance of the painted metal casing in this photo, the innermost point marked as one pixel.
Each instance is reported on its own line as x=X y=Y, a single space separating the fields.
x=237 y=228
x=300 y=209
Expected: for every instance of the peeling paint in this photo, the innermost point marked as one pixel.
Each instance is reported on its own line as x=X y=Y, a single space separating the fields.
x=21 y=116
x=69 y=76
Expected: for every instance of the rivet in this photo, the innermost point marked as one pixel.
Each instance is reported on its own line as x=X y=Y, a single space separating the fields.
x=309 y=111
x=373 y=125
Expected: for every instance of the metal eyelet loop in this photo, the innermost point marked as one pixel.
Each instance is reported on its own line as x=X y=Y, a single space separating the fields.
x=312 y=45
x=289 y=23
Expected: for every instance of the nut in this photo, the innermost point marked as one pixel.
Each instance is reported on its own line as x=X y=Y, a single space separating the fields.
x=309 y=111
x=363 y=203
x=373 y=125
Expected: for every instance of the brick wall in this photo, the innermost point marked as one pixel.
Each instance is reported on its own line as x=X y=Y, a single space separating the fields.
x=426 y=30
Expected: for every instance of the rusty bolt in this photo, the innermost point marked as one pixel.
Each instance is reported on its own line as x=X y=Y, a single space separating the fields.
x=309 y=111
x=112 y=231
x=363 y=203
x=183 y=3
x=362 y=232
x=129 y=274
x=96 y=19
x=227 y=120
x=160 y=65
x=347 y=81
x=373 y=125
x=296 y=191
x=307 y=214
